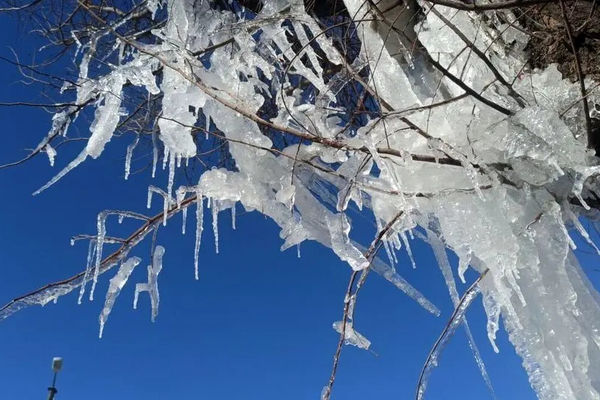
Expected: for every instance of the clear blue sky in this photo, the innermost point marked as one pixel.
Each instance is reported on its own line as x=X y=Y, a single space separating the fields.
x=256 y=326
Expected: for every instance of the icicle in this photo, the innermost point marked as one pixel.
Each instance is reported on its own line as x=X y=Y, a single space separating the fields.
x=344 y=196
x=179 y=196
x=457 y=319
x=584 y=174
x=298 y=250
x=233 y=217
x=51 y=154
x=580 y=228
x=165 y=157
x=73 y=164
x=341 y=244
x=386 y=245
x=390 y=274
x=492 y=310
x=154 y=155
x=101 y=226
x=463 y=264
x=165 y=210
x=171 y=174
x=442 y=258
x=199 y=227
x=121 y=216
x=388 y=252
x=90 y=257
x=152 y=285
x=129 y=155
x=114 y=288
x=408 y=249
x=184 y=220
x=166 y=201
x=390 y=239
x=149 y=201
x=72 y=241
x=215 y=222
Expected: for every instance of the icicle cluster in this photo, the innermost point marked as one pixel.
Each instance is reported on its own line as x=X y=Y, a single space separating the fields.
x=500 y=189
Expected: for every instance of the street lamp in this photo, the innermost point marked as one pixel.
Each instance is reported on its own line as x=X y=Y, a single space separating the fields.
x=56 y=366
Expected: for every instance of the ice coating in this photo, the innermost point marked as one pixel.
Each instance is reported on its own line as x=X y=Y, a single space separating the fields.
x=455 y=321
x=351 y=336
x=340 y=243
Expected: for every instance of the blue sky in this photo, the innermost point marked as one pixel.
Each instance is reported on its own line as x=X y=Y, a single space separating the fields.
x=257 y=325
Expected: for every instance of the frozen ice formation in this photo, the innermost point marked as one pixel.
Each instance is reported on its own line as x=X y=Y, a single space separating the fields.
x=498 y=178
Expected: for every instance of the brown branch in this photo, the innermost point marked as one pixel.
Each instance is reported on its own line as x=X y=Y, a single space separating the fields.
x=107 y=263
x=456 y=80
x=592 y=142
x=481 y=55
x=489 y=6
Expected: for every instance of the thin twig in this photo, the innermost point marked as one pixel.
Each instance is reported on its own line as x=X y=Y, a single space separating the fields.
x=449 y=329
x=369 y=255
x=580 y=76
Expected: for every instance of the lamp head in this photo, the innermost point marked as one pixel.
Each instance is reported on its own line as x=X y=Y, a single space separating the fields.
x=57 y=364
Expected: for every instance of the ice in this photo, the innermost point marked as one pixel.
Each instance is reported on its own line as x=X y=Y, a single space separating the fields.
x=351 y=336
x=73 y=164
x=128 y=156
x=167 y=201
x=152 y=285
x=455 y=321
x=390 y=274
x=233 y=217
x=116 y=284
x=90 y=259
x=439 y=251
x=199 y=228
x=499 y=189
x=215 y=209
x=153 y=6
x=463 y=264
x=580 y=228
x=101 y=227
x=340 y=243
x=154 y=155
x=408 y=249
x=171 y=174
x=51 y=152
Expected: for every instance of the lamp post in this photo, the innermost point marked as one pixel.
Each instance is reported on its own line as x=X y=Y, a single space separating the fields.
x=56 y=366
